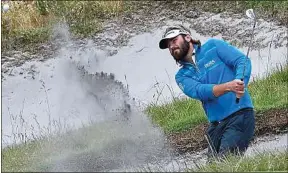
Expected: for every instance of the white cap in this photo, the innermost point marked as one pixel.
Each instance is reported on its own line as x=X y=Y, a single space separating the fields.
x=171 y=32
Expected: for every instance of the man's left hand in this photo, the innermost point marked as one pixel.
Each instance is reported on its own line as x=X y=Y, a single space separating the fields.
x=239 y=88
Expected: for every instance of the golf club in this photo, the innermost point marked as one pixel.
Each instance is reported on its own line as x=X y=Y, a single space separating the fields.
x=249 y=13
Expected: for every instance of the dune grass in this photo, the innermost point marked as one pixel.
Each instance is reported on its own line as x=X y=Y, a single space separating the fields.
x=184 y=114
x=271 y=92
x=18 y=158
x=31 y=156
x=47 y=150
x=177 y=116
x=267 y=161
x=23 y=15
x=30 y=22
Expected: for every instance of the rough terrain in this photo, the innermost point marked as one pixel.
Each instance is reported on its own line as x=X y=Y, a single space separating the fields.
x=103 y=88
x=268 y=122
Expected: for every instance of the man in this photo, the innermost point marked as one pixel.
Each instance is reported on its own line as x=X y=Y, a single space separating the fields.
x=212 y=74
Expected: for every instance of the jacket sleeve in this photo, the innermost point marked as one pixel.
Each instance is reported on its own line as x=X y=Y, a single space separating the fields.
x=234 y=58
x=195 y=89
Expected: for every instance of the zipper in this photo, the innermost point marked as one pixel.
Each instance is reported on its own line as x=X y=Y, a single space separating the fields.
x=196 y=67
x=194 y=64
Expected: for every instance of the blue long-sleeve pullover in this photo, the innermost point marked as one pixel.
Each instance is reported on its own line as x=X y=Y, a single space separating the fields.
x=217 y=62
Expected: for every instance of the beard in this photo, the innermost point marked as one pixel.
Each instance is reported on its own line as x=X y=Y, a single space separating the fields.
x=180 y=53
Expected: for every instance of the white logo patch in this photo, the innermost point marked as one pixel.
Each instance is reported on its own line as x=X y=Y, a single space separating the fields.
x=209 y=64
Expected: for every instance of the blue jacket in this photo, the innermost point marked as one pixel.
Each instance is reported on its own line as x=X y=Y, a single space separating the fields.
x=217 y=62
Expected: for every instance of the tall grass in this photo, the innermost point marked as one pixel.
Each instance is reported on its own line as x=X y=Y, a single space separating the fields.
x=18 y=158
x=271 y=92
x=31 y=21
x=24 y=15
x=267 y=161
x=184 y=114
x=177 y=116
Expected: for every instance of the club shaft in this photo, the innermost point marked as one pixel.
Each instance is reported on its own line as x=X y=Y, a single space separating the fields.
x=250 y=44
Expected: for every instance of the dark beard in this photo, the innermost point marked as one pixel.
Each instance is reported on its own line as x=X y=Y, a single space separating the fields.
x=184 y=48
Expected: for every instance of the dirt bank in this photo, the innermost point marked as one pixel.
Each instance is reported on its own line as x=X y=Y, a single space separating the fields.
x=273 y=121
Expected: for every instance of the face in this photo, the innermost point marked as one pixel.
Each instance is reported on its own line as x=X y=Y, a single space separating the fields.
x=178 y=47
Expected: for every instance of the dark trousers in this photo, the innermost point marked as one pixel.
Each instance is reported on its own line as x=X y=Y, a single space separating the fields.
x=231 y=135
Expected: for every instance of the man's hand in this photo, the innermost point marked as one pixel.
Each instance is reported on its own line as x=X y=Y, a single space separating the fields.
x=237 y=86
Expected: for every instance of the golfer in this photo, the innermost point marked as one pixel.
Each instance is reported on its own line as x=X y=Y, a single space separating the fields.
x=212 y=73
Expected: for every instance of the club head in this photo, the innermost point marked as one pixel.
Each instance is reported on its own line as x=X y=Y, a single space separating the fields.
x=250 y=13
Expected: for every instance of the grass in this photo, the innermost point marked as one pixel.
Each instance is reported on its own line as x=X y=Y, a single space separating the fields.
x=267 y=161
x=178 y=115
x=27 y=158
x=271 y=92
x=31 y=22
x=42 y=154
x=28 y=23
x=32 y=155
x=181 y=115
x=18 y=158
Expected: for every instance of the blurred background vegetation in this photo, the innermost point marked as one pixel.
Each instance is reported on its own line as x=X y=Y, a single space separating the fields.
x=30 y=22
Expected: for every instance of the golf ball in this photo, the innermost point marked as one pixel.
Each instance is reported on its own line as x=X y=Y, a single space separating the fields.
x=5 y=7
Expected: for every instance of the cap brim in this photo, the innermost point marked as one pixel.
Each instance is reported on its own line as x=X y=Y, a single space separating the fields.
x=163 y=44
x=163 y=41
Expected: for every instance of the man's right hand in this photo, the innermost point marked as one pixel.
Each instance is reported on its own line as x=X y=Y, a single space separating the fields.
x=236 y=86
